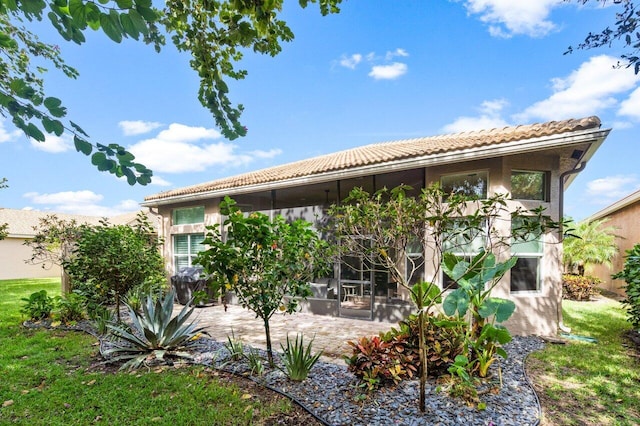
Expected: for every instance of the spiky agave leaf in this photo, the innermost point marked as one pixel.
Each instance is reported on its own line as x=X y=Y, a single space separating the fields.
x=155 y=333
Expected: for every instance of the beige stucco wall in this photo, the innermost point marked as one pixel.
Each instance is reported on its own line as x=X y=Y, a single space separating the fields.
x=626 y=221
x=13 y=254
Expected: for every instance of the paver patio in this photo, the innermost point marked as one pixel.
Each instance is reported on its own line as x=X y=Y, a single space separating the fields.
x=331 y=333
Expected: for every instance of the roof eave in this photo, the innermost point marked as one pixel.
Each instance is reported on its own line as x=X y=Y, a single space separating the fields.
x=593 y=136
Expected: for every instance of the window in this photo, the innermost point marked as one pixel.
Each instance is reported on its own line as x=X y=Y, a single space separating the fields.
x=470 y=184
x=185 y=249
x=529 y=185
x=188 y=215
x=525 y=275
x=465 y=240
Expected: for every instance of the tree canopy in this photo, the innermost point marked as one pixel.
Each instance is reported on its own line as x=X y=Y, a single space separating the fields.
x=215 y=32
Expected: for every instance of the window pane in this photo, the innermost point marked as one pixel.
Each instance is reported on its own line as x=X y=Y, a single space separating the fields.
x=195 y=245
x=181 y=244
x=525 y=274
x=470 y=184
x=528 y=185
x=188 y=215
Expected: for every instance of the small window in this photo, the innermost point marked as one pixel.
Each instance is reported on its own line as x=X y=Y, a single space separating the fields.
x=529 y=185
x=469 y=184
x=525 y=275
x=185 y=249
x=188 y=215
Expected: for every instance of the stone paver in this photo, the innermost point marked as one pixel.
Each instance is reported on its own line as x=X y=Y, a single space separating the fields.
x=331 y=333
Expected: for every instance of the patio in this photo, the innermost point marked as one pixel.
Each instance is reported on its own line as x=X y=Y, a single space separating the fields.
x=331 y=333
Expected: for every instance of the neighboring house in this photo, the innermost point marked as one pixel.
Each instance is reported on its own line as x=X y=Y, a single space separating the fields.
x=14 y=253
x=487 y=161
x=623 y=215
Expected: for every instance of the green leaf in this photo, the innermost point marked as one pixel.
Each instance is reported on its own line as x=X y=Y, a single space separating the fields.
x=53 y=126
x=128 y=26
x=457 y=300
x=82 y=145
x=111 y=26
x=33 y=132
x=138 y=22
x=78 y=128
x=98 y=158
x=78 y=13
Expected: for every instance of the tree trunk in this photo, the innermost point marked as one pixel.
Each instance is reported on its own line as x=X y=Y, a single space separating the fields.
x=422 y=351
x=267 y=333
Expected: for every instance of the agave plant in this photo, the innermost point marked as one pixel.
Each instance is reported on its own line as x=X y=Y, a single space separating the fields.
x=154 y=334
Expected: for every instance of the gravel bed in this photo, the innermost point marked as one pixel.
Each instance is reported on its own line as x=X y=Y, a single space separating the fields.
x=331 y=393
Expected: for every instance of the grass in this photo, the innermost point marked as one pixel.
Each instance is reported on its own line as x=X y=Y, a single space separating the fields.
x=49 y=377
x=585 y=383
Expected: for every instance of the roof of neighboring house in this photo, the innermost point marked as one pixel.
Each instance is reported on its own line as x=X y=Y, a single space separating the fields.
x=386 y=153
x=22 y=222
x=618 y=205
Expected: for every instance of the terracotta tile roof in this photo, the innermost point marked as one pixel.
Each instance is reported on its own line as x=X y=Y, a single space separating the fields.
x=386 y=152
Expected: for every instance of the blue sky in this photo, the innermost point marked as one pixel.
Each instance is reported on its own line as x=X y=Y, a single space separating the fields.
x=380 y=70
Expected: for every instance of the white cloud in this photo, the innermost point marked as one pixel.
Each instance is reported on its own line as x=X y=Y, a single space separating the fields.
x=52 y=144
x=611 y=188
x=489 y=118
x=631 y=106
x=388 y=72
x=6 y=136
x=398 y=52
x=138 y=127
x=586 y=91
x=157 y=180
x=181 y=149
x=508 y=17
x=80 y=202
x=351 y=61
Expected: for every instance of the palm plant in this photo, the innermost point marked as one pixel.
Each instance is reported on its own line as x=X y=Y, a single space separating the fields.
x=154 y=334
x=589 y=243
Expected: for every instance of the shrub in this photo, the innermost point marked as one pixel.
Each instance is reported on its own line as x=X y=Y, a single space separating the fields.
x=393 y=356
x=631 y=275
x=38 y=306
x=297 y=359
x=71 y=308
x=577 y=287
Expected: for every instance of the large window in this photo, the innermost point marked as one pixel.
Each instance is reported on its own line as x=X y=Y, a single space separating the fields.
x=525 y=275
x=188 y=215
x=529 y=185
x=473 y=184
x=185 y=249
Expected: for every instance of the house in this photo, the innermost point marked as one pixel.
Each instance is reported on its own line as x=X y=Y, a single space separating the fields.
x=489 y=161
x=14 y=254
x=623 y=215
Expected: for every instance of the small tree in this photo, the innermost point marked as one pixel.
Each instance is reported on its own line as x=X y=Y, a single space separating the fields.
x=267 y=263
x=589 y=243
x=384 y=227
x=107 y=260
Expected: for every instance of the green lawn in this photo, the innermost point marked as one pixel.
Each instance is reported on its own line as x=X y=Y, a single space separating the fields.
x=586 y=383
x=49 y=378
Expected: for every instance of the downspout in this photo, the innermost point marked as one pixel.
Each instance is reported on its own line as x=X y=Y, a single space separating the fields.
x=580 y=168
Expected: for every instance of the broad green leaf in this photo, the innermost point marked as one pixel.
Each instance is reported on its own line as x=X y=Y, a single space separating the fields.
x=53 y=126
x=458 y=301
x=138 y=22
x=128 y=26
x=33 y=132
x=111 y=26
x=82 y=145
x=78 y=13
x=98 y=158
